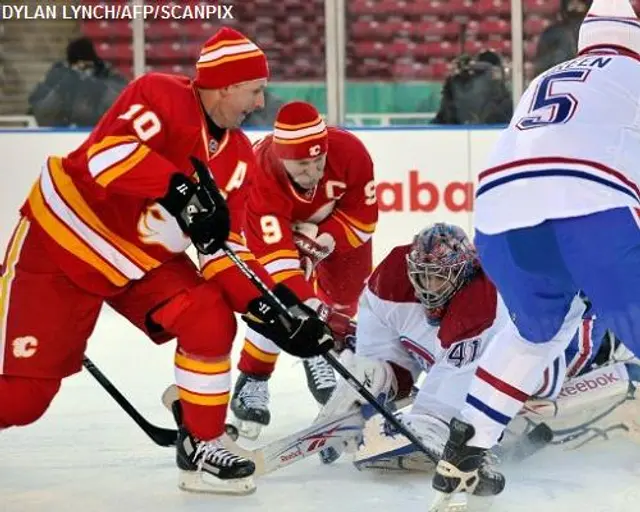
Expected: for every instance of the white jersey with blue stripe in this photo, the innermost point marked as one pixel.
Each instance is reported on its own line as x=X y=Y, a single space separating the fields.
x=572 y=147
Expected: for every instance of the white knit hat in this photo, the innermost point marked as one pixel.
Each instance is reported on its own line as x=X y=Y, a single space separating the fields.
x=610 y=23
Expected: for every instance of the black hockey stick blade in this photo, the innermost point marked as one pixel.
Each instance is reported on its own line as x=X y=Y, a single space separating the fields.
x=527 y=444
x=539 y=437
x=160 y=436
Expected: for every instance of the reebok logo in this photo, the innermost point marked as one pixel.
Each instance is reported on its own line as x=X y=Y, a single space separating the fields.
x=291 y=455
x=587 y=384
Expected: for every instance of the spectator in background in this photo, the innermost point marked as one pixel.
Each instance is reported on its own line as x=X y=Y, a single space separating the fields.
x=265 y=117
x=559 y=42
x=476 y=92
x=76 y=92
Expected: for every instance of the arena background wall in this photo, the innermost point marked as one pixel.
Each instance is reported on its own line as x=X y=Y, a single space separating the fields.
x=424 y=175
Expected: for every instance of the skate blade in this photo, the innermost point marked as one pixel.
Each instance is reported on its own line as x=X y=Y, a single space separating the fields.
x=195 y=481
x=479 y=503
x=248 y=429
x=444 y=502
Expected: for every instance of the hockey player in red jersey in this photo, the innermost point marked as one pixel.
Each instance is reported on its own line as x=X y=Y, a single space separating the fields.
x=110 y=223
x=310 y=216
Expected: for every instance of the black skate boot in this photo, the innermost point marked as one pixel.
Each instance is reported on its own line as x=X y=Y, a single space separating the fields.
x=212 y=466
x=250 y=404
x=463 y=469
x=321 y=380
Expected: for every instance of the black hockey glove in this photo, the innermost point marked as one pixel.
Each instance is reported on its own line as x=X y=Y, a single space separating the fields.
x=201 y=212
x=305 y=336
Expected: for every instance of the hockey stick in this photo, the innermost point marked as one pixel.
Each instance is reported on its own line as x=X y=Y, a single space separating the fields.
x=330 y=358
x=160 y=436
x=204 y=176
x=335 y=432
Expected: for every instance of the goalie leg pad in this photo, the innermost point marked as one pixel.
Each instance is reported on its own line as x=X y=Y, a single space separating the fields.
x=385 y=448
x=377 y=377
x=597 y=405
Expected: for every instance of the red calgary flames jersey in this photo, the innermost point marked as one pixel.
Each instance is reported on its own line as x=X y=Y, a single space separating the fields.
x=98 y=205
x=343 y=204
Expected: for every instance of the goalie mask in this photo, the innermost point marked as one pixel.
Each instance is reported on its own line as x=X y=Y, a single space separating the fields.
x=442 y=260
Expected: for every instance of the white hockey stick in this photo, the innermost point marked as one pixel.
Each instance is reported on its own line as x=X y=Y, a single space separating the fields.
x=334 y=432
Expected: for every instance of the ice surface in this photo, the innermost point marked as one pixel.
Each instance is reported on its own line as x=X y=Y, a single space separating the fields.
x=86 y=454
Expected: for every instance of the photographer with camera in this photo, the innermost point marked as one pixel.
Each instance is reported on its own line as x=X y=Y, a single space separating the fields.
x=475 y=92
x=76 y=91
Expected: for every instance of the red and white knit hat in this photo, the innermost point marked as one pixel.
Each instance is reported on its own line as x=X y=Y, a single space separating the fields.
x=610 y=24
x=299 y=132
x=228 y=58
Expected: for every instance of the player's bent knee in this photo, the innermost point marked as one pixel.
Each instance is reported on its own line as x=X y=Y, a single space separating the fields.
x=23 y=400
x=207 y=326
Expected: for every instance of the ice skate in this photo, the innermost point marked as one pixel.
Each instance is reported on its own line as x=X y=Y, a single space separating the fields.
x=463 y=469
x=212 y=466
x=321 y=379
x=250 y=405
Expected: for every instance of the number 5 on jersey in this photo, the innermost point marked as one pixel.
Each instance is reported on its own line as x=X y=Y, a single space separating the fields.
x=548 y=107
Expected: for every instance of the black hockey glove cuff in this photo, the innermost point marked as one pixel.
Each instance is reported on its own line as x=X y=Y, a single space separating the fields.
x=304 y=336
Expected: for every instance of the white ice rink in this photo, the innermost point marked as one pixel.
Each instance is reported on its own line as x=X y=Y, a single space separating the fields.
x=86 y=454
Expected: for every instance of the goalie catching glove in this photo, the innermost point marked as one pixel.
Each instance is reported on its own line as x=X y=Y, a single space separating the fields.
x=200 y=210
x=304 y=336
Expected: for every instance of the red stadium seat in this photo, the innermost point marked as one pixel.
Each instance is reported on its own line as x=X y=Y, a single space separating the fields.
x=548 y=8
x=535 y=25
x=107 y=30
x=368 y=49
x=474 y=46
x=494 y=26
x=161 y=30
x=459 y=7
x=492 y=7
x=434 y=29
x=437 y=49
x=501 y=46
x=175 y=69
x=427 y=8
x=530 y=49
x=399 y=49
x=117 y=53
x=386 y=38
x=359 y=7
x=439 y=68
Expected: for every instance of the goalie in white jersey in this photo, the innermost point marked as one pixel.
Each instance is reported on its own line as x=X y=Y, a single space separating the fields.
x=429 y=307
x=556 y=212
